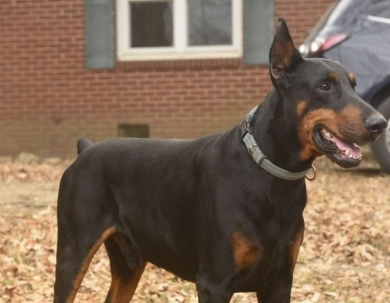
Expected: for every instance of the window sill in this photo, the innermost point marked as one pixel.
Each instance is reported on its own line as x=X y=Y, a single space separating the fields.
x=131 y=66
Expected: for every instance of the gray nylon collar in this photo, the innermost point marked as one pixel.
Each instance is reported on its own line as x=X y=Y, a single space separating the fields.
x=262 y=160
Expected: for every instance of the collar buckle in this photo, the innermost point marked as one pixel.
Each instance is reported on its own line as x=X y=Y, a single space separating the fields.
x=248 y=124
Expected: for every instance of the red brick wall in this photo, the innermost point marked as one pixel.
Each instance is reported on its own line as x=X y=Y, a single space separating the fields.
x=48 y=99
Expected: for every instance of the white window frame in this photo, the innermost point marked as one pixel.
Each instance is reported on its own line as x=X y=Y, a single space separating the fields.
x=180 y=50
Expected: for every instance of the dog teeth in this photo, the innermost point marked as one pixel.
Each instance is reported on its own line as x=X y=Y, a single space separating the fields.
x=327 y=134
x=344 y=153
x=347 y=154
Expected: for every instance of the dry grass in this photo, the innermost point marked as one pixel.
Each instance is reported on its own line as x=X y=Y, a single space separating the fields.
x=345 y=256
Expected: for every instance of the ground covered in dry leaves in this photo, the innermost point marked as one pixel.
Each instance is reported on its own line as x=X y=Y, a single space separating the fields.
x=345 y=255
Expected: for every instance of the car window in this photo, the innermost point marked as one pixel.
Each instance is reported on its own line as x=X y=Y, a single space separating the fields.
x=347 y=12
x=379 y=8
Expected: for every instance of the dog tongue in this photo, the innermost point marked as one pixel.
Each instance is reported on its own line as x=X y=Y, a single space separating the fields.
x=353 y=149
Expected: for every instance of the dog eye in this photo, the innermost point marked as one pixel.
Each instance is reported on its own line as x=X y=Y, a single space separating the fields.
x=325 y=87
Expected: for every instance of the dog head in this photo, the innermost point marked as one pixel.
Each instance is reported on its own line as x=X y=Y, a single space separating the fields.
x=318 y=94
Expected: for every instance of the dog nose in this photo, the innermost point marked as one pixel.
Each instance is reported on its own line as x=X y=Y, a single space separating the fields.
x=376 y=124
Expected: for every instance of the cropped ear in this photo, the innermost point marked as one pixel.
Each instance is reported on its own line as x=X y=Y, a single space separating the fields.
x=283 y=55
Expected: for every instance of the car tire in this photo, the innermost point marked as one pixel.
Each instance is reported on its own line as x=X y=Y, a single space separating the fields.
x=381 y=147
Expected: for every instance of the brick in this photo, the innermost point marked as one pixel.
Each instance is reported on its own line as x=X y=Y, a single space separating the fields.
x=48 y=100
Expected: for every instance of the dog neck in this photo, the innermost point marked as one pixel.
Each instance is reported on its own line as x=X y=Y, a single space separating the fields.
x=276 y=134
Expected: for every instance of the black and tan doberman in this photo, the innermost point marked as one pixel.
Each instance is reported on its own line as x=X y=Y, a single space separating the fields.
x=206 y=209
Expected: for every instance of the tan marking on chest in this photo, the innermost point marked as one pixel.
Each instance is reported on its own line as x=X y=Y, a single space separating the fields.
x=245 y=252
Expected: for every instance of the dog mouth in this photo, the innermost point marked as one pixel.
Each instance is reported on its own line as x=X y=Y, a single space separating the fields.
x=344 y=153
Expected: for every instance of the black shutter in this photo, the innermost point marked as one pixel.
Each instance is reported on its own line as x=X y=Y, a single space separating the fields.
x=99 y=34
x=258 y=30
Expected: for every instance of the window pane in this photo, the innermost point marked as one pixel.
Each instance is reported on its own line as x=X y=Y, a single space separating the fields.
x=209 y=22
x=151 y=24
x=379 y=8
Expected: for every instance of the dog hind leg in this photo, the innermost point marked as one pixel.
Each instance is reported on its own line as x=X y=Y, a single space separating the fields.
x=73 y=260
x=126 y=269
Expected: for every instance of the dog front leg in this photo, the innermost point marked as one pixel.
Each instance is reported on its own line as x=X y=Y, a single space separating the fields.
x=278 y=290
x=211 y=292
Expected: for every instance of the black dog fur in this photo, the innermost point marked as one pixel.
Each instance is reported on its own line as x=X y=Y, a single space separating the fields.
x=202 y=209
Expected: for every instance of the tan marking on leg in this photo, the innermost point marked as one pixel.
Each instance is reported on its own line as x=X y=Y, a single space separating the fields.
x=245 y=252
x=120 y=240
x=84 y=267
x=294 y=246
x=123 y=291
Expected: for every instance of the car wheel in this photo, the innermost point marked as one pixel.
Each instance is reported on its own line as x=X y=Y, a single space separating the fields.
x=381 y=147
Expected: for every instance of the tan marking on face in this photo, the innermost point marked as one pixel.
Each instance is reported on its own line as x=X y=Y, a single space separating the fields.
x=333 y=76
x=301 y=107
x=293 y=249
x=305 y=131
x=245 y=252
x=348 y=121
x=84 y=266
x=352 y=79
